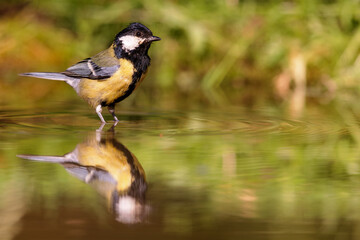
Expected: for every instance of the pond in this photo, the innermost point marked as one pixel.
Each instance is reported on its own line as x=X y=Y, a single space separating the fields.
x=214 y=174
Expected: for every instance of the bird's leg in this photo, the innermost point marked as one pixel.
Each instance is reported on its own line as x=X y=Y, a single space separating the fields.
x=101 y=127
x=111 y=109
x=98 y=111
x=99 y=132
x=112 y=129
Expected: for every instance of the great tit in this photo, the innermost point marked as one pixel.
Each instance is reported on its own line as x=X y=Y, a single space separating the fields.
x=110 y=168
x=111 y=75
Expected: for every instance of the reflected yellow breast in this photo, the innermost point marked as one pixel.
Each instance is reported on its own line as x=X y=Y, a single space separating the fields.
x=108 y=158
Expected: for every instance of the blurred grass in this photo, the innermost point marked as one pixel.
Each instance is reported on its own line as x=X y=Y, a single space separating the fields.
x=212 y=52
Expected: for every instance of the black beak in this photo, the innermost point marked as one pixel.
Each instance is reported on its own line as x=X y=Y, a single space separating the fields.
x=153 y=39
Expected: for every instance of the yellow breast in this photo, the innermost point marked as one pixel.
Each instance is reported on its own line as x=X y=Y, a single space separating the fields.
x=97 y=91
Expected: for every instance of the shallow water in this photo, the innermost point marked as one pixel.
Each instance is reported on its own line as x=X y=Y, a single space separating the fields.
x=174 y=175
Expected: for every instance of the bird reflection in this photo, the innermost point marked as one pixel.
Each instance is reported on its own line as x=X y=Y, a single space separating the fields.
x=109 y=167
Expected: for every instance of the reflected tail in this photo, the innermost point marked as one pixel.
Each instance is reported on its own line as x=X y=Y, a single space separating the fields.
x=54 y=159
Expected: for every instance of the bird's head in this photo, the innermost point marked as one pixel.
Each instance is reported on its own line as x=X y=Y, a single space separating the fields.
x=136 y=38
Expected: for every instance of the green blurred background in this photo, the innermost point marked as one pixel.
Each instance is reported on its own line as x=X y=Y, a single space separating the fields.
x=286 y=54
x=296 y=57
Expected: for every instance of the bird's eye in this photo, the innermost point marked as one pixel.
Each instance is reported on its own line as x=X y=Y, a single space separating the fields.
x=138 y=34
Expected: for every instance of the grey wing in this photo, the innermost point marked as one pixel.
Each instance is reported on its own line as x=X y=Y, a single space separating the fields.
x=99 y=67
x=88 y=174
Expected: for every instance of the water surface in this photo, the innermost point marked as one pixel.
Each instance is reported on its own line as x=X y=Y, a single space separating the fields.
x=177 y=175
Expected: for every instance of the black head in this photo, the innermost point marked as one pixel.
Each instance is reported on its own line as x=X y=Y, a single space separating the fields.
x=135 y=39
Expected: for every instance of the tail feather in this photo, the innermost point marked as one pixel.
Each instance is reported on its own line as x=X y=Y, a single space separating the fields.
x=48 y=75
x=74 y=82
x=67 y=158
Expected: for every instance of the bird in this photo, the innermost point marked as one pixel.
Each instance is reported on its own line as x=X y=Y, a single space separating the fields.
x=111 y=75
x=111 y=169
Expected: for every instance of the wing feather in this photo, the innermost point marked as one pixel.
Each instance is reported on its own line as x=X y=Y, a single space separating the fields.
x=102 y=65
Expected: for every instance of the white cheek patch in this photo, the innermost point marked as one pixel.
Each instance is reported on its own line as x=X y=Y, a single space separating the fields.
x=130 y=42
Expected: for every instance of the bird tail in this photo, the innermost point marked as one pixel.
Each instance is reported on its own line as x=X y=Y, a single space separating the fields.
x=48 y=75
x=68 y=158
x=74 y=82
